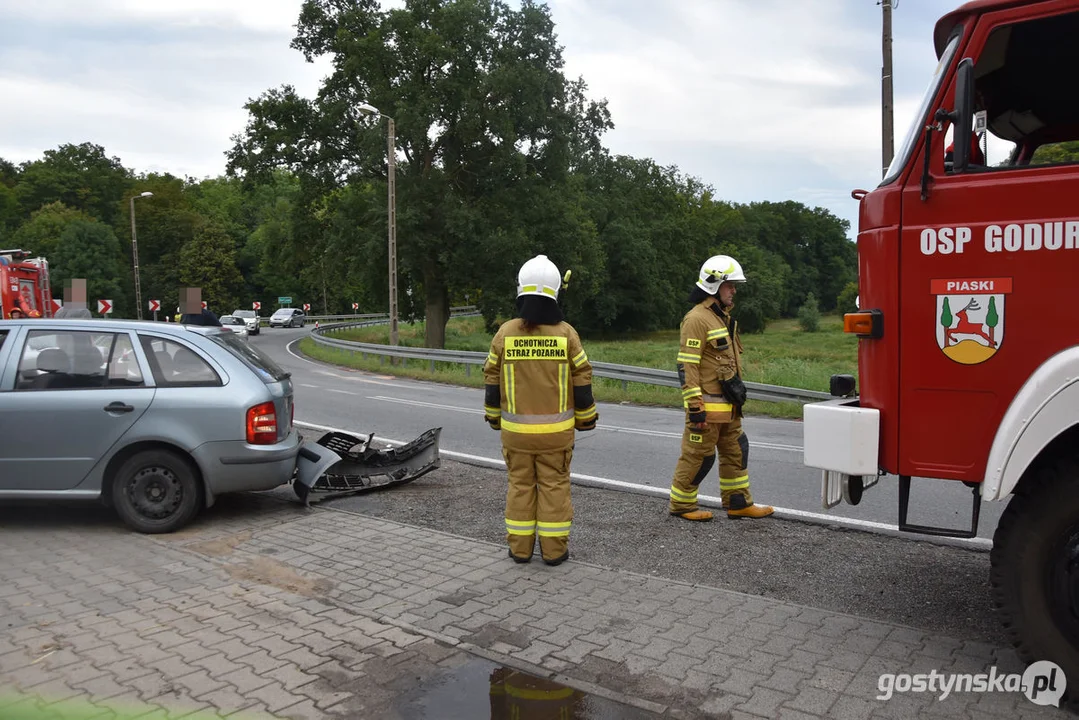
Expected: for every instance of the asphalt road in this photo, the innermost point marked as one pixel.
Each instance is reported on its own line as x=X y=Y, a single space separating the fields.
x=903 y=580
x=632 y=444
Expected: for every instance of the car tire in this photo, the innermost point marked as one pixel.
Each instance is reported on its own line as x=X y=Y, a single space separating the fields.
x=156 y=491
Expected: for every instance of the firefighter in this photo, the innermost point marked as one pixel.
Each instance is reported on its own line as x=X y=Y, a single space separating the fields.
x=710 y=369
x=538 y=388
x=16 y=314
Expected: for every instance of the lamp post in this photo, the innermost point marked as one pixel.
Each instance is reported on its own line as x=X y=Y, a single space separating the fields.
x=135 y=254
x=391 y=203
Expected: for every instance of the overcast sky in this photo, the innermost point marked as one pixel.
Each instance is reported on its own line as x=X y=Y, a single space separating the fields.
x=761 y=99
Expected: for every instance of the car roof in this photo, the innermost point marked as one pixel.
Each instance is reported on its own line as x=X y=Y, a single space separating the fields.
x=174 y=329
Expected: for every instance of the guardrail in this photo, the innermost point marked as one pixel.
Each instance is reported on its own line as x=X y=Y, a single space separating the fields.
x=624 y=373
x=461 y=309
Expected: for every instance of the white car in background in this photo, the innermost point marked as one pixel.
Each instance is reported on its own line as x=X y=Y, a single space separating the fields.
x=235 y=324
x=251 y=318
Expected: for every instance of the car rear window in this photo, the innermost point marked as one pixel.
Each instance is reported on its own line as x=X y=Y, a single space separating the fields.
x=264 y=367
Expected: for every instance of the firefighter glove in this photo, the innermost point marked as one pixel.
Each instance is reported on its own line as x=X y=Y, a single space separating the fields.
x=697 y=417
x=589 y=424
x=494 y=421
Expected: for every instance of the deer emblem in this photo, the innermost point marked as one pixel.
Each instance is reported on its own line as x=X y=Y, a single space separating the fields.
x=964 y=326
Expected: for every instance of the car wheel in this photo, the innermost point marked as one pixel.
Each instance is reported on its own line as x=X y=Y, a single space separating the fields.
x=156 y=491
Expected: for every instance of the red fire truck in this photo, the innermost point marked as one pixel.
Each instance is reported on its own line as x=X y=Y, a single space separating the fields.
x=24 y=284
x=968 y=352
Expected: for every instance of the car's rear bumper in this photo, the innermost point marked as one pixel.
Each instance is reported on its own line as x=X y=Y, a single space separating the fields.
x=235 y=466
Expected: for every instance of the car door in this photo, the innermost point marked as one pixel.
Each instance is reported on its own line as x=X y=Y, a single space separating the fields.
x=73 y=394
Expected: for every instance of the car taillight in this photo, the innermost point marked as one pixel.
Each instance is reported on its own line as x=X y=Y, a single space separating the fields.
x=262 y=424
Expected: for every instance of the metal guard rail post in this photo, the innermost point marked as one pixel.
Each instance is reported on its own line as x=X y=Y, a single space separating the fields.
x=624 y=373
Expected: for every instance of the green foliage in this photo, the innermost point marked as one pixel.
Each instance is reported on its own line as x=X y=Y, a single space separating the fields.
x=1062 y=152
x=40 y=235
x=91 y=250
x=847 y=300
x=809 y=314
x=208 y=261
x=80 y=176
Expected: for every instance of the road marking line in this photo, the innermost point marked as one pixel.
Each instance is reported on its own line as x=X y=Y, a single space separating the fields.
x=705 y=500
x=608 y=428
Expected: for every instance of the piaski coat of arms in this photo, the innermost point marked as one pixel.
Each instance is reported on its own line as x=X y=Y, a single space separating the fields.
x=970 y=317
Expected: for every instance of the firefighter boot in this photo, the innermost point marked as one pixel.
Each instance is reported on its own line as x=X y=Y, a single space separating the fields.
x=738 y=508
x=697 y=515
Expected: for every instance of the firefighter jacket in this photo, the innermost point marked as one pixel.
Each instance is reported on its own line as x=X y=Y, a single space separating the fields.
x=538 y=386
x=709 y=353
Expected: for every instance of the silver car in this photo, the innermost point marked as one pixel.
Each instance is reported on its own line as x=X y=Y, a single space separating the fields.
x=155 y=419
x=251 y=318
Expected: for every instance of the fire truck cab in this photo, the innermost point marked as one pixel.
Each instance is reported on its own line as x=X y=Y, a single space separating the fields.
x=24 y=285
x=968 y=353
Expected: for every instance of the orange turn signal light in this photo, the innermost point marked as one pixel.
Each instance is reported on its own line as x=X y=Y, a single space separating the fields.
x=865 y=323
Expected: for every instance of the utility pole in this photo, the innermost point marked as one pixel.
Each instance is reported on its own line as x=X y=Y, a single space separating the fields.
x=887 y=126
x=392 y=222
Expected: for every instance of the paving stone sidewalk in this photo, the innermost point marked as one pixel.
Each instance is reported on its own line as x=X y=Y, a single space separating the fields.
x=267 y=609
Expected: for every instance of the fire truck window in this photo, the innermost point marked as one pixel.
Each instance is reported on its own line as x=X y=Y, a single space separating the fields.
x=174 y=365
x=1021 y=83
x=64 y=360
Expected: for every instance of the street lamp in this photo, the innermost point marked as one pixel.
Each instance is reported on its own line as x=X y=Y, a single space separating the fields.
x=135 y=254
x=391 y=155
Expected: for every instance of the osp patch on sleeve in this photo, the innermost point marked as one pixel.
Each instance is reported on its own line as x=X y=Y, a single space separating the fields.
x=694 y=343
x=693 y=437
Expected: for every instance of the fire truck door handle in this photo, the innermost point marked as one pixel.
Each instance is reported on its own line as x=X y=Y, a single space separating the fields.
x=119 y=407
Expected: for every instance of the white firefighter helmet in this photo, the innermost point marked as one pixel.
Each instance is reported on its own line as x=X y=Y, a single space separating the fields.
x=717 y=270
x=539 y=276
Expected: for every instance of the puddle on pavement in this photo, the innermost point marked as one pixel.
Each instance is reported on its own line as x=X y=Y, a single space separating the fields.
x=481 y=689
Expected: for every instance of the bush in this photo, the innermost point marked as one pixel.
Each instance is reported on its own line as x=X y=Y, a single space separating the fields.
x=845 y=303
x=809 y=314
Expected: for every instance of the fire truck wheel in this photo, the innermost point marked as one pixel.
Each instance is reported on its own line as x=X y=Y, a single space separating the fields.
x=156 y=491
x=1035 y=570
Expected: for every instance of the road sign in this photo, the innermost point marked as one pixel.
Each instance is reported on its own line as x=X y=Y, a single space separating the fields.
x=355 y=306
x=284 y=300
x=307 y=307
x=104 y=306
x=155 y=305
x=56 y=305
x=256 y=305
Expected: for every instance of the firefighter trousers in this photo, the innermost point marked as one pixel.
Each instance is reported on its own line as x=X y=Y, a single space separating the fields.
x=538 y=502
x=699 y=449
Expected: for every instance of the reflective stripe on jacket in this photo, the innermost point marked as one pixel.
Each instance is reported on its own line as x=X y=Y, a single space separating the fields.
x=706 y=352
x=536 y=371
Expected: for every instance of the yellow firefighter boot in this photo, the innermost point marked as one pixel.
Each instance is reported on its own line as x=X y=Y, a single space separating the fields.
x=697 y=515
x=737 y=508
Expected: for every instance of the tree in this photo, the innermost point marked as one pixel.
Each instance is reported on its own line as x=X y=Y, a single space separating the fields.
x=481 y=105
x=946 y=321
x=809 y=314
x=80 y=176
x=165 y=223
x=41 y=234
x=208 y=261
x=992 y=318
x=91 y=250
x=847 y=300
x=1062 y=152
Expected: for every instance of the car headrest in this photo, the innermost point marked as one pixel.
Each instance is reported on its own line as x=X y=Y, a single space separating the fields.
x=53 y=360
